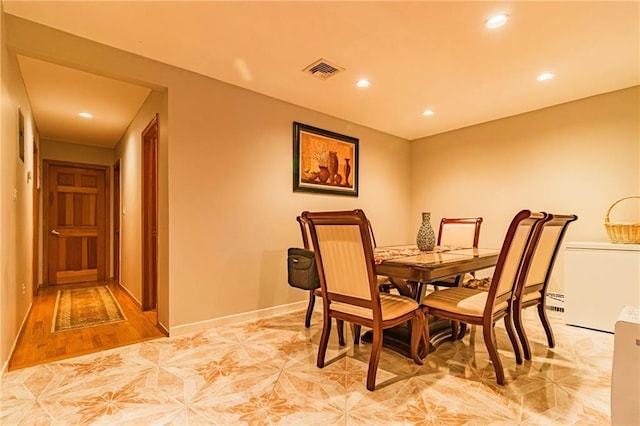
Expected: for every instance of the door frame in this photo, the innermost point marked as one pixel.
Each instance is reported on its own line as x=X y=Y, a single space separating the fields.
x=117 y=223
x=149 y=144
x=36 y=218
x=46 y=196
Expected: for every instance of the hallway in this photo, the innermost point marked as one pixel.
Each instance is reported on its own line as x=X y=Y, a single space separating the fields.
x=38 y=345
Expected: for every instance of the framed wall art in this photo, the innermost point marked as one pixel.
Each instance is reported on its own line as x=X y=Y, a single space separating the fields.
x=324 y=162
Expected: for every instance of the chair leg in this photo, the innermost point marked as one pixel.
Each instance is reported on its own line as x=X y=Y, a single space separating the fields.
x=458 y=330
x=356 y=333
x=508 y=324
x=417 y=333
x=324 y=340
x=376 y=346
x=340 y=324
x=463 y=330
x=542 y=313
x=425 y=332
x=489 y=342
x=517 y=320
x=312 y=302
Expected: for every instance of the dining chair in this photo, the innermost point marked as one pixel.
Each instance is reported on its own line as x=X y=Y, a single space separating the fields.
x=344 y=255
x=383 y=281
x=531 y=289
x=458 y=232
x=473 y=306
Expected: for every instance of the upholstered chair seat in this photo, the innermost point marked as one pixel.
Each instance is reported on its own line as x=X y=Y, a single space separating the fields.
x=391 y=305
x=464 y=301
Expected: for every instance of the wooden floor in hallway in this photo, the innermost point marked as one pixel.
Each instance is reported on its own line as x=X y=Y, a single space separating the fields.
x=38 y=345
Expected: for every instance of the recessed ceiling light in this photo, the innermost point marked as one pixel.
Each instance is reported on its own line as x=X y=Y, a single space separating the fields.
x=363 y=83
x=85 y=115
x=545 y=76
x=428 y=112
x=496 y=21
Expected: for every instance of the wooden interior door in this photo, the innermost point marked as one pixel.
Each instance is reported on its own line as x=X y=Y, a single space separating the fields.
x=76 y=223
x=150 y=216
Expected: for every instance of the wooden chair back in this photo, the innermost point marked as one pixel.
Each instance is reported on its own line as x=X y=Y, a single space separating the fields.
x=543 y=253
x=344 y=255
x=306 y=243
x=510 y=262
x=531 y=289
x=304 y=232
x=459 y=232
x=373 y=237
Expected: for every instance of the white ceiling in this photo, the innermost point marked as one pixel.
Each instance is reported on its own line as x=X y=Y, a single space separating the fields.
x=417 y=55
x=58 y=94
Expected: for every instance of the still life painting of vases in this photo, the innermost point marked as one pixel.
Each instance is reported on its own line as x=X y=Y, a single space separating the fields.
x=326 y=161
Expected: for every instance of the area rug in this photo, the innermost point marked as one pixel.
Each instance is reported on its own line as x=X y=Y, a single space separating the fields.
x=85 y=307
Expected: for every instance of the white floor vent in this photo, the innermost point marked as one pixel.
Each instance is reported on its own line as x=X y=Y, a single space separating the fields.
x=555 y=302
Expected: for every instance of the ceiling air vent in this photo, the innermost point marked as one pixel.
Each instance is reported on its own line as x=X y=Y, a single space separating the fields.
x=323 y=69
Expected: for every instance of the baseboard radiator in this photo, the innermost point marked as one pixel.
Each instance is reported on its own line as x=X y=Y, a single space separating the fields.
x=555 y=302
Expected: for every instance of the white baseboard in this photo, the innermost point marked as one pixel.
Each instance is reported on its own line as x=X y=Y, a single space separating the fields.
x=231 y=319
x=131 y=296
x=139 y=306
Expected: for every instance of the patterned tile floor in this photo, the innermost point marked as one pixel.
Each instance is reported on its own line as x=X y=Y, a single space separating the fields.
x=264 y=372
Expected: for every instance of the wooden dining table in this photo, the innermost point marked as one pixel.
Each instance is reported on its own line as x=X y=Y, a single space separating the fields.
x=411 y=270
x=407 y=265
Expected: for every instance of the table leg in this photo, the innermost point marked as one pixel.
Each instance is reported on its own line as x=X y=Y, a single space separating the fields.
x=399 y=338
x=403 y=287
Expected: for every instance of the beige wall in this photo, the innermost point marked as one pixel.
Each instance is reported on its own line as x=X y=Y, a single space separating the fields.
x=231 y=206
x=16 y=204
x=64 y=151
x=577 y=157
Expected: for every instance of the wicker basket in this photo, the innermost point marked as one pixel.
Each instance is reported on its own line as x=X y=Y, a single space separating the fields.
x=626 y=233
